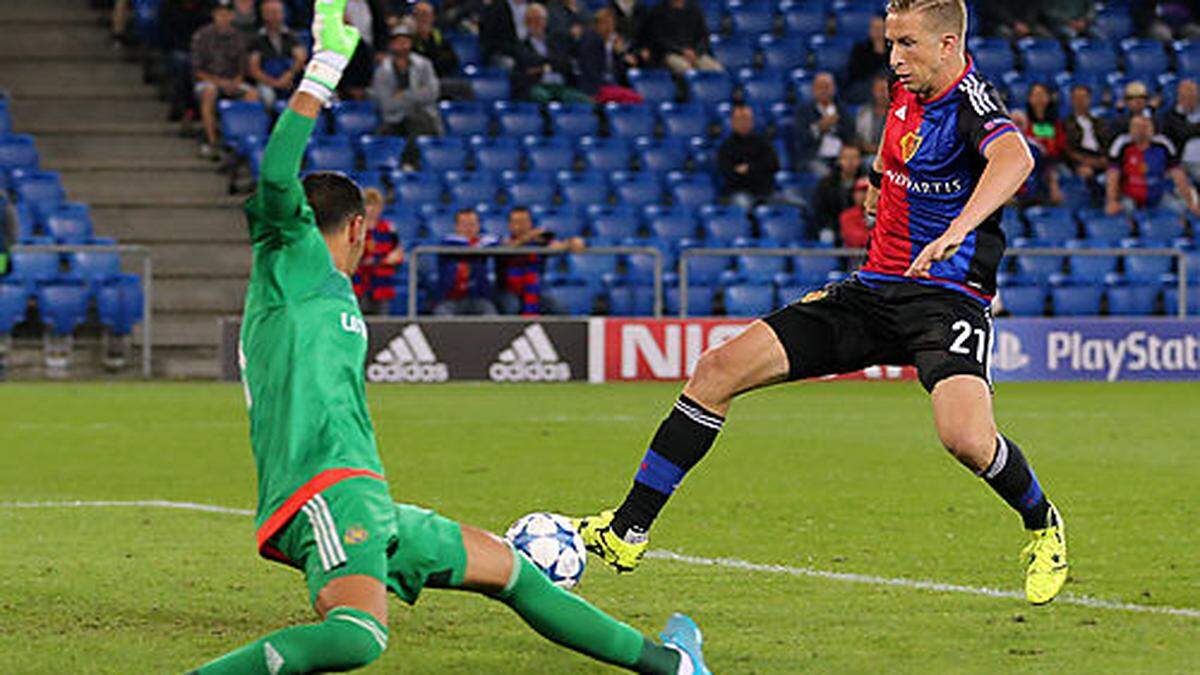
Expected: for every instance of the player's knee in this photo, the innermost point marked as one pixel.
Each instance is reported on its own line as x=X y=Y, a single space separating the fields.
x=969 y=446
x=716 y=372
x=352 y=639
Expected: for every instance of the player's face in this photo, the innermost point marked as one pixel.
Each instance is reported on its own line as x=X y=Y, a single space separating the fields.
x=356 y=233
x=918 y=53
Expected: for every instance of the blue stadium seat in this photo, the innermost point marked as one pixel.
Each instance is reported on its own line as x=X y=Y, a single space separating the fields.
x=637 y=189
x=1092 y=57
x=803 y=17
x=760 y=269
x=749 y=299
x=1041 y=57
x=655 y=85
x=556 y=153
x=573 y=120
x=630 y=120
x=763 y=87
x=14 y=301
x=95 y=266
x=332 y=153
x=1051 y=223
x=1132 y=300
x=708 y=87
x=530 y=188
x=661 y=154
x=119 y=304
x=604 y=154
x=406 y=219
x=380 y=152
x=442 y=153
x=699 y=300
x=563 y=222
x=466 y=48
x=18 y=151
x=1038 y=268
x=1024 y=300
x=613 y=223
x=1099 y=225
x=725 y=223
x=1187 y=57
x=465 y=118
x=471 y=187
x=751 y=17
x=488 y=84
x=1083 y=300
x=783 y=53
x=639 y=268
x=439 y=219
x=1092 y=268
x=734 y=51
x=684 y=119
x=1016 y=88
x=993 y=56
x=372 y=179
x=1147 y=268
x=592 y=269
x=670 y=224
x=814 y=269
x=354 y=118
x=706 y=270
x=1144 y=58
x=416 y=187
x=518 y=118
x=571 y=300
x=689 y=190
x=1113 y=22
x=581 y=190
x=780 y=222
x=239 y=119
x=631 y=300
x=852 y=18
x=789 y=290
x=70 y=223
x=502 y=153
x=42 y=191
x=831 y=53
x=1011 y=224
x=1159 y=226
x=1171 y=299
x=63 y=306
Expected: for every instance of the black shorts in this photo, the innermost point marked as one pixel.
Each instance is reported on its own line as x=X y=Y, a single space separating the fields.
x=851 y=325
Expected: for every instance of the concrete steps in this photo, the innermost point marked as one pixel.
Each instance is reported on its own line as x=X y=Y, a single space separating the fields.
x=115 y=185
x=69 y=73
x=183 y=330
x=56 y=150
x=189 y=294
x=52 y=113
x=165 y=224
x=63 y=40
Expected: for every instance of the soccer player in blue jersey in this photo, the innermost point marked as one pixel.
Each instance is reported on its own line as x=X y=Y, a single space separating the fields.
x=949 y=159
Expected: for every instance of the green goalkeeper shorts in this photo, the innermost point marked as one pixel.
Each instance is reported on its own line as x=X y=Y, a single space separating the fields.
x=354 y=528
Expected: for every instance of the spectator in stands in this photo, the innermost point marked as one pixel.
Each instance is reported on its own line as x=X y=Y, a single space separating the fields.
x=245 y=17
x=630 y=16
x=868 y=123
x=822 y=128
x=375 y=281
x=218 y=64
x=460 y=15
x=519 y=277
x=1166 y=19
x=747 y=161
x=429 y=42
x=405 y=89
x=462 y=279
x=676 y=36
x=544 y=70
x=868 y=59
x=180 y=20
x=502 y=30
x=1181 y=124
x=566 y=19
x=371 y=19
x=1134 y=103
x=1044 y=128
x=1068 y=18
x=1009 y=19
x=835 y=192
x=276 y=57
x=1142 y=162
x=1041 y=187
x=852 y=223
x=603 y=60
x=1086 y=136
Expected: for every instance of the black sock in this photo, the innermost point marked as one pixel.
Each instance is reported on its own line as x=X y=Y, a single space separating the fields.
x=681 y=441
x=1012 y=479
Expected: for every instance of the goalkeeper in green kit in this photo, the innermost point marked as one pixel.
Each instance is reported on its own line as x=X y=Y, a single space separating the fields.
x=323 y=502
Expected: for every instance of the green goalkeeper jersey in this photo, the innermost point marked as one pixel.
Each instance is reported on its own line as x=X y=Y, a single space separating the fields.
x=302 y=348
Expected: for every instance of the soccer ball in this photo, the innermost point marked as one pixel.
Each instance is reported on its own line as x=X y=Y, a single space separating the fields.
x=550 y=542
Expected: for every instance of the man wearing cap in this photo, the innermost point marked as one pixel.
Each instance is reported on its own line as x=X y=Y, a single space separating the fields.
x=1136 y=101
x=219 y=67
x=406 y=88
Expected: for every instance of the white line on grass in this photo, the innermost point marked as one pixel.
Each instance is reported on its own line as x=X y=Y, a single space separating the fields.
x=727 y=563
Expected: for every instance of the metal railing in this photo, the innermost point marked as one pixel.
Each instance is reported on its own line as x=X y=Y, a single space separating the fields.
x=416 y=253
x=147 y=283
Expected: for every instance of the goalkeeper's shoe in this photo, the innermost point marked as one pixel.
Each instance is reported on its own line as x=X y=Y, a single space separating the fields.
x=1045 y=560
x=620 y=553
x=683 y=635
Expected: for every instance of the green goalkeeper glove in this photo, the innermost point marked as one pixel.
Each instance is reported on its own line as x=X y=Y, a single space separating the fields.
x=333 y=45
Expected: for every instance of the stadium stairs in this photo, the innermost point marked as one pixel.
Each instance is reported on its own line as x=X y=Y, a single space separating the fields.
x=106 y=134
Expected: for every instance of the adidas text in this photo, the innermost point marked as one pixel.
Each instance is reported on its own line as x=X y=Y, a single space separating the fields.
x=530 y=358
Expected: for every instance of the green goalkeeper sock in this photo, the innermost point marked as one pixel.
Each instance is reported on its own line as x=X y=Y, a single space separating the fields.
x=569 y=620
x=348 y=639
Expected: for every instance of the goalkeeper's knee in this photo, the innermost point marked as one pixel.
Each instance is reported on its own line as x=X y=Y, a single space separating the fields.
x=348 y=639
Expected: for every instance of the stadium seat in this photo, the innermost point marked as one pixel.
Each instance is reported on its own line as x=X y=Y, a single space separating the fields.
x=670 y=224
x=655 y=85
x=639 y=268
x=781 y=222
x=636 y=189
x=465 y=118
x=851 y=18
x=556 y=153
x=763 y=87
x=1038 y=268
x=14 y=301
x=803 y=17
x=783 y=53
x=1113 y=22
x=760 y=269
x=1132 y=300
x=1092 y=57
x=1041 y=57
x=1144 y=58
x=630 y=120
x=70 y=223
x=604 y=154
x=1023 y=300
x=993 y=56
x=442 y=153
x=1159 y=226
x=30 y=268
x=466 y=48
x=531 y=188
x=573 y=120
x=239 y=119
x=1171 y=300
x=1081 y=300
x=333 y=153
x=706 y=270
x=62 y=306
x=471 y=187
x=502 y=153
x=119 y=304
x=41 y=191
x=734 y=51
x=406 y=219
x=18 y=151
x=571 y=300
x=1099 y=225
x=592 y=269
x=751 y=17
x=380 y=152
x=684 y=119
x=631 y=300
x=699 y=300
x=1051 y=223
x=749 y=300
x=613 y=223
x=354 y=118
x=1016 y=88
x=416 y=187
x=581 y=190
x=488 y=84
x=1147 y=268
x=691 y=190
x=1011 y=224
x=1187 y=57
x=725 y=223
x=661 y=154
x=518 y=119
x=831 y=53
x=1092 y=268
x=439 y=219
x=708 y=87
x=814 y=268
x=563 y=222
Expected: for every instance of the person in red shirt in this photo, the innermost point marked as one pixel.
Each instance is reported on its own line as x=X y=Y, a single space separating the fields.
x=374 y=282
x=852 y=223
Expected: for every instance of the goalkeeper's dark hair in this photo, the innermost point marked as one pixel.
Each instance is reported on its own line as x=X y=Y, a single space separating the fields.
x=335 y=199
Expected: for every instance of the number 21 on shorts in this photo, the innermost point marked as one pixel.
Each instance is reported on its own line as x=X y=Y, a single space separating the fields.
x=964 y=333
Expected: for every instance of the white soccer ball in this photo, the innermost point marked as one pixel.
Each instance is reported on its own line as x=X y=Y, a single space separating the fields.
x=552 y=544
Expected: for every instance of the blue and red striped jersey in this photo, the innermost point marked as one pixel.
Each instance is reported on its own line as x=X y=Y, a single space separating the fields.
x=933 y=157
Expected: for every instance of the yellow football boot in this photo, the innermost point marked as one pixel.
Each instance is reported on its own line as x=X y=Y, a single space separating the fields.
x=1045 y=560
x=616 y=552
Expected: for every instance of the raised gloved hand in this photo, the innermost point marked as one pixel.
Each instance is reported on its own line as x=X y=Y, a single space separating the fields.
x=333 y=45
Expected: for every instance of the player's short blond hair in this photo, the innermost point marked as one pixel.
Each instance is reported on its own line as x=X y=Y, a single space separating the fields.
x=372 y=197
x=948 y=15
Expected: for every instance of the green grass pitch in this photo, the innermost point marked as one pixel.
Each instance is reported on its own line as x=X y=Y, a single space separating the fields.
x=844 y=477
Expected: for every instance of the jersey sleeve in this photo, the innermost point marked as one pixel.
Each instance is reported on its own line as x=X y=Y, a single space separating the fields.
x=278 y=210
x=982 y=117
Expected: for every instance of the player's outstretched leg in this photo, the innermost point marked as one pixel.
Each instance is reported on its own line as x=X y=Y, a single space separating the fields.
x=753 y=359
x=962 y=411
x=495 y=569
